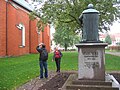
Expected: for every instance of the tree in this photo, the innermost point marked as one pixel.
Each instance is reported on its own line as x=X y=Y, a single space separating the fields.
x=68 y=11
x=108 y=39
x=65 y=37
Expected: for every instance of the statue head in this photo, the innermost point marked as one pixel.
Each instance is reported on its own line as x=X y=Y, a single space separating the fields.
x=90 y=6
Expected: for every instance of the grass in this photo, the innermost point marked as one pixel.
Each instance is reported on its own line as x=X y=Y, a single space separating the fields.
x=112 y=62
x=15 y=71
x=107 y=50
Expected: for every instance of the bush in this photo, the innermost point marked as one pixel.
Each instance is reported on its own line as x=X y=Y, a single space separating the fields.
x=116 y=48
x=71 y=49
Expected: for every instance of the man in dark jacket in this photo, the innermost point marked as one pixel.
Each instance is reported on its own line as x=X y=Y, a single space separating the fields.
x=43 y=60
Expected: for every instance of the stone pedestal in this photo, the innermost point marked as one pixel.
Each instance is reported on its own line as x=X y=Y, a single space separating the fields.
x=91 y=61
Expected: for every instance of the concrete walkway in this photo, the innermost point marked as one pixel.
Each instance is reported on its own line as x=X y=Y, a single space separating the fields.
x=113 y=53
x=35 y=83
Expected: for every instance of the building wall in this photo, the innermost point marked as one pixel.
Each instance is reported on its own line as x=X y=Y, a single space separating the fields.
x=33 y=36
x=11 y=36
x=46 y=37
x=16 y=16
x=2 y=28
x=42 y=37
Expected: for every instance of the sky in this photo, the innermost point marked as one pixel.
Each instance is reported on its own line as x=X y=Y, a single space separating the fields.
x=115 y=28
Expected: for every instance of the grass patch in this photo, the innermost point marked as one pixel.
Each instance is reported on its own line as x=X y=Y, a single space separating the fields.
x=15 y=71
x=112 y=62
x=108 y=50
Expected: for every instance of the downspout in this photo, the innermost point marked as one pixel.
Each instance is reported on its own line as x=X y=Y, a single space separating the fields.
x=29 y=36
x=6 y=27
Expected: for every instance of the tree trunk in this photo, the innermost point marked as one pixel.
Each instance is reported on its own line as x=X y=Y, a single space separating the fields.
x=65 y=47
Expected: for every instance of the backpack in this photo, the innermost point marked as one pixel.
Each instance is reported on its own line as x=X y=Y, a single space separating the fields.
x=44 y=55
x=57 y=54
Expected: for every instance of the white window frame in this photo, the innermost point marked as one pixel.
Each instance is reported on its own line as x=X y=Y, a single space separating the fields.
x=22 y=28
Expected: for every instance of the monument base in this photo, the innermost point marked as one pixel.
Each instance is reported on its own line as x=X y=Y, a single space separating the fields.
x=91 y=61
x=72 y=83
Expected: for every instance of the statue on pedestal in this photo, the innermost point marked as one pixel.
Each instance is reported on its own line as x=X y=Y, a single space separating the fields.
x=89 y=20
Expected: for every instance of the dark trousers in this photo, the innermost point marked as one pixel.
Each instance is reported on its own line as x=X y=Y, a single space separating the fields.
x=43 y=66
x=57 y=60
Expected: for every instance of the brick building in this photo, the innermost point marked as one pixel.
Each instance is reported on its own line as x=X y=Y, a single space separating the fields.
x=18 y=34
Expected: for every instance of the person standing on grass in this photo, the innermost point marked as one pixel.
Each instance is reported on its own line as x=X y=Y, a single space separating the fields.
x=43 y=60
x=57 y=57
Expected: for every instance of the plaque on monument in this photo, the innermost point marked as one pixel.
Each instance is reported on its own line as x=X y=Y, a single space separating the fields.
x=91 y=61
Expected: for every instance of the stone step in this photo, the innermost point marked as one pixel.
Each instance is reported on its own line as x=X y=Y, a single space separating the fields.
x=87 y=82
x=89 y=87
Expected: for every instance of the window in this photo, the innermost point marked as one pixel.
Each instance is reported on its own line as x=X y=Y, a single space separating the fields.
x=22 y=28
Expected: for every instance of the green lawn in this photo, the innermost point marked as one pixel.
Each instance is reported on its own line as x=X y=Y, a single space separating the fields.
x=15 y=71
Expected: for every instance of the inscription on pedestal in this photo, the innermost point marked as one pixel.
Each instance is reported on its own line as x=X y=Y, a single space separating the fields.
x=91 y=63
x=91 y=59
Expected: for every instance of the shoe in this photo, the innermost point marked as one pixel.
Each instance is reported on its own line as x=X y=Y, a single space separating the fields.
x=46 y=77
x=58 y=72
x=40 y=77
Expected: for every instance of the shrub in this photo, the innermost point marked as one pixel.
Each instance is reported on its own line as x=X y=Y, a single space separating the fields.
x=116 y=48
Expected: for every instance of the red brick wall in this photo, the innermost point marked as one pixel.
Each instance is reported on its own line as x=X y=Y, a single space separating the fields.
x=14 y=37
x=16 y=16
x=33 y=36
x=2 y=28
x=39 y=38
x=46 y=37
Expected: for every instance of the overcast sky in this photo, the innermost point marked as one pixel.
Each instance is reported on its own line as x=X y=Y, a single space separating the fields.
x=115 y=28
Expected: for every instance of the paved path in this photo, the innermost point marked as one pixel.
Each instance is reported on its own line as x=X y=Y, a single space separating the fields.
x=35 y=83
x=114 y=53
